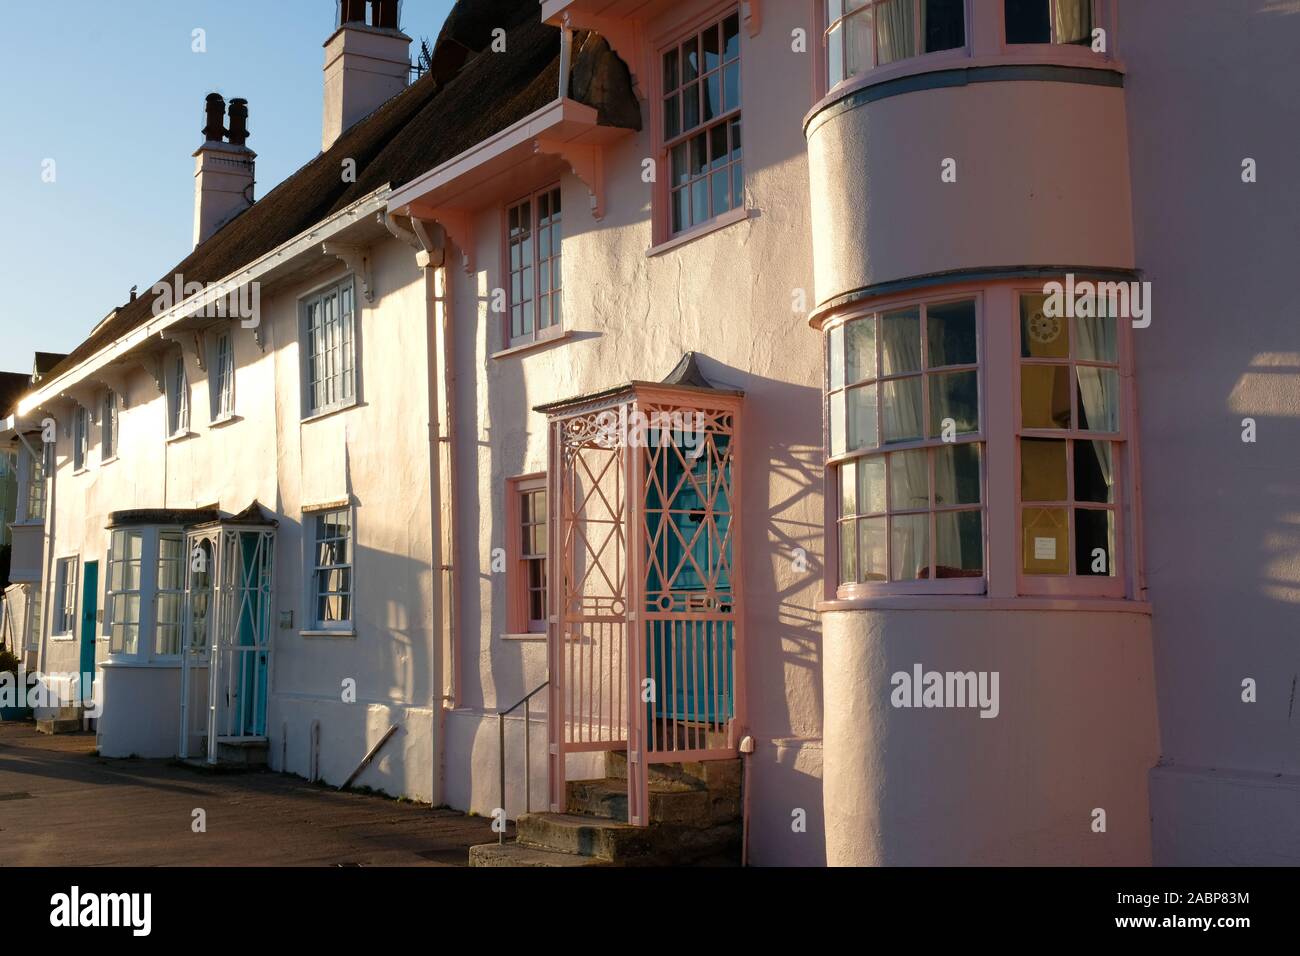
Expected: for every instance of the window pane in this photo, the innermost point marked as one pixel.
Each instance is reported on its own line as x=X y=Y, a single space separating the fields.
x=862 y=417
x=871 y=549
x=1096 y=339
x=1098 y=398
x=835 y=54
x=895 y=36
x=1045 y=396
x=848 y=552
x=1042 y=470
x=950 y=334
x=838 y=419
x=1045 y=548
x=860 y=38
x=957 y=475
x=955 y=395
x=835 y=357
x=1094 y=542
x=670 y=70
x=901 y=409
x=944 y=24
x=910 y=547
x=900 y=335
x=1027 y=21
x=909 y=480
x=848 y=489
x=860 y=350
x=871 y=485
x=731 y=38
x=959 y=544
x=691 y=106
x=1042 y=335
x=731 y=86
x=690 y=59
x=1094 y=477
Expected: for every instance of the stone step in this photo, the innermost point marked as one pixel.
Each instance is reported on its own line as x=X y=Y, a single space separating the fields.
x=59 y=725
x=607 y=799
x=242 y=753
x=584 y=836
x=516 y=854
x=716 y=775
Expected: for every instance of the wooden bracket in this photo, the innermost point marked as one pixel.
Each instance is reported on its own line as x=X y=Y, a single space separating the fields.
x=587 y=162
x=457 y=224
x=358 y=260
x=192 y=341
x=113 y=378
x=152 y=363
x=751 y=11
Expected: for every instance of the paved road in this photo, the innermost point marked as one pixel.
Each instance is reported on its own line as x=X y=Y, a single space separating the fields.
x=60 y=805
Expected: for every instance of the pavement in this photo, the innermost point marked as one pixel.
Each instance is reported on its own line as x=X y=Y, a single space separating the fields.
x=62 y=805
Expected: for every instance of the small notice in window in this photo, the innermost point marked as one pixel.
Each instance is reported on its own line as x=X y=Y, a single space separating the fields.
x=1044 y=549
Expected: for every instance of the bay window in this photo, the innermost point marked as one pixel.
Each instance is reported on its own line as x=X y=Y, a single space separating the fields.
x=122 y=596
x=144 y=595
x=864 y=34
x=903 y=411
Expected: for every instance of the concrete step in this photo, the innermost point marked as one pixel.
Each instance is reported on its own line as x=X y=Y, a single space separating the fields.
x=59 y=725
x=242 y=753
x=516 y=854
x=585 y=836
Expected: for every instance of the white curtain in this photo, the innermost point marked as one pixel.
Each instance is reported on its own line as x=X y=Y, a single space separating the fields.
x=1098 y=388
x=910 y=488
x=1073 y=19
x=895 y=29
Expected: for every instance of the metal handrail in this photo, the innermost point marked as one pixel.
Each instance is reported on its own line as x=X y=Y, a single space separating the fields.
x=501 y=756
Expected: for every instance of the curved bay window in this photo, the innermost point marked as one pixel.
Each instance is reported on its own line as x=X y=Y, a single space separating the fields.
x=904 y=415
x=864 y=34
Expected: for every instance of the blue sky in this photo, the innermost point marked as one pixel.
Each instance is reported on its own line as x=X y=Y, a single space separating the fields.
x=113 y=93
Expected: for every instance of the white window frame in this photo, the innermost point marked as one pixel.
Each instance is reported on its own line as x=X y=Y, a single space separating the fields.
x=32 y=621
x=340 y=347
x=80 y=438
x=67 y=573
x=109 y=432
x=221 y=377
x=178 y=396
x=311 y=541
x=113 y=594
x=158 y=591
x=34 y=479
x=146 y=650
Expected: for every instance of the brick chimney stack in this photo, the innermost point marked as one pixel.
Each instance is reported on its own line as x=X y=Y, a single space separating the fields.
x=223 y=167
x=367 y=61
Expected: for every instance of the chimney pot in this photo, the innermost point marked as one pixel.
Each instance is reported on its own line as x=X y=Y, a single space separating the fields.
x=352 y=11
x=384 y=14
x=215 y=113
x=238 y=121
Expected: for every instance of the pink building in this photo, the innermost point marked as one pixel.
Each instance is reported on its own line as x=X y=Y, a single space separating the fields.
x=861 y=431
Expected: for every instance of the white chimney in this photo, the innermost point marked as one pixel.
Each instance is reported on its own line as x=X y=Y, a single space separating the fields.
x=366 y=63
x=223 y=168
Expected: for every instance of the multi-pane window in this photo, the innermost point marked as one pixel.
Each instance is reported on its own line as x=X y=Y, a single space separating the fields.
x=332 y=568
x=125 y=567
x=532 y=555
x=1070 y=439
x=534 y=230
x=80 y=438
x=864 y=34
x=178 y=396
x=65 y=596
x=904 y=401
x=701 y=124
x=34 y=600
x=36 y=483
x=330 y=353
x=108 y=426
x=170 y=593
x=1048 y=21
x=223 y=377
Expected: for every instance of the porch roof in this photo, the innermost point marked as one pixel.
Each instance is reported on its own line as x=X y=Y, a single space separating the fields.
x=176 y=516
x=687 y=376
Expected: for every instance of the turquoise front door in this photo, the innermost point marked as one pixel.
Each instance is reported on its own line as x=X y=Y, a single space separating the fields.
x=89 y=626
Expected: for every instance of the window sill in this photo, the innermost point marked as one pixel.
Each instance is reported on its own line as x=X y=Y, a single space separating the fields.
x=107 y=461
x=333 y=410
x=80 y=471
x=340 y=633
x=61 y=638
x=962 y=602
x=532 y=346
x=127 y=662
x=729 y=218
x=530 y=636
x=29 y=523
x=223 y=422
x=181 y=436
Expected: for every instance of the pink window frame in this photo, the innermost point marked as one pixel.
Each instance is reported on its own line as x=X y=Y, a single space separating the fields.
x=875 y=72
x=962 y=585
x=1072 y=584
x=661 y=206
x=518 y=620
x=551 y=331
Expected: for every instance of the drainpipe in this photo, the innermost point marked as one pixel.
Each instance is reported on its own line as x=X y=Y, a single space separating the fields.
x=566 y=57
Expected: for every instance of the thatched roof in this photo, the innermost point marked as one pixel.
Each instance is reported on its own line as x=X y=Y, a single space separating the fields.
x=472 y=94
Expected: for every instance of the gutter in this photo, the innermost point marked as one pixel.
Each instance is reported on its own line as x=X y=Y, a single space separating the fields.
x=306 y=241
